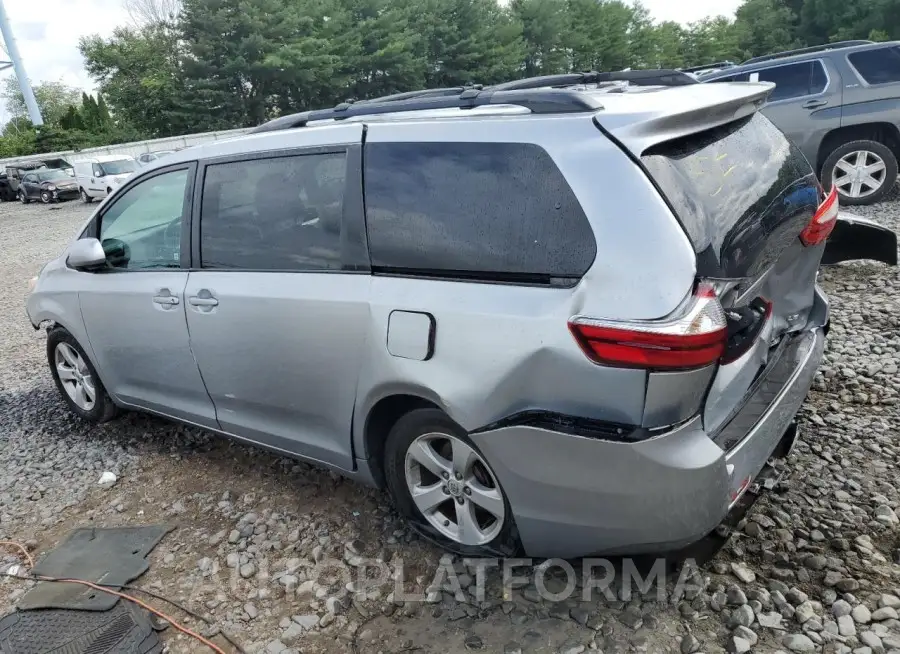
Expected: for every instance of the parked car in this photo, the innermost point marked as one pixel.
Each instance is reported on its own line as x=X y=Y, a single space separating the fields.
x=14 y=174
x=98 y=177
x=47 y=185
x=840 y=103
x=150 y=157
x=443 y=297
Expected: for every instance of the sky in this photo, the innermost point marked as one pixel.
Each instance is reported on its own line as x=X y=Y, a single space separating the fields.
x=47 y=31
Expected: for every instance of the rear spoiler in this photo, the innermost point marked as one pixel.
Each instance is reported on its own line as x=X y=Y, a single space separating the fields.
x=855 y=238
x=652 y=118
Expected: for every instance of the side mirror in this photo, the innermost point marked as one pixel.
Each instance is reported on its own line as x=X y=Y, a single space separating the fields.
x=86 y=254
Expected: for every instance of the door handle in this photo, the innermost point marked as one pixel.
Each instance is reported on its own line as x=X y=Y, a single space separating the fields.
x=168 y=300
x=203 y=301
x=814 y=104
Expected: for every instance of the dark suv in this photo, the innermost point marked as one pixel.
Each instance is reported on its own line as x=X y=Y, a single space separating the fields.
x=840 y=103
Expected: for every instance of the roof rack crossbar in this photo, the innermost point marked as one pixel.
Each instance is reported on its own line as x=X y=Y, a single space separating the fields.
x=715 y=64
x=801 y=51
x=424 y=93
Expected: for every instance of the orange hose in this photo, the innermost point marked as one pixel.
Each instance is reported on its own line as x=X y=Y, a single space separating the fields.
x=89 y=584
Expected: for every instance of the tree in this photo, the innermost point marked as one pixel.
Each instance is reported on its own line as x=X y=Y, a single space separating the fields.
x=53 y=99
x=152 y=13
x=764 y=26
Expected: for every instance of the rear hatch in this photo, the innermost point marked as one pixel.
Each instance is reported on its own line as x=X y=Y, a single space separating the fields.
x=744 y=195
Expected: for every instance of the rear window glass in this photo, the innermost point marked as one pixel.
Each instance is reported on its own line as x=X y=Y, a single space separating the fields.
x=473 y=210
x=734 y=187
x=878 y=66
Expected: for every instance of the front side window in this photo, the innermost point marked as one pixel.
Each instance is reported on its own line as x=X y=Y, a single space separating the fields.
x=793 y=80
x=878 y=66
x=142 y=229
x=29 y=179
x=282 y=213
x=118 y=167
x=474 y=210
x=53 y=176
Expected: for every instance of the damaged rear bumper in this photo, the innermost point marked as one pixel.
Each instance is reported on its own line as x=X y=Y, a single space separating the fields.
x=856 y=238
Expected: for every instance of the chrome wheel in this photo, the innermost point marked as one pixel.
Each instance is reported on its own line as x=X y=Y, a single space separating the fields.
x=45 y=197
x=859 y=174
x=454 y=489
x=75 y=377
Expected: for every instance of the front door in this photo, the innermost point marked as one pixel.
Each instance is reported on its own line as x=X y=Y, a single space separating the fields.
x=278 y=308
x=97 y=187
x=134 y=310
x=30 y=186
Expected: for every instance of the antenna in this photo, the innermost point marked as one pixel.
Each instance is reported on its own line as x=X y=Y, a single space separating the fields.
x=34 y=113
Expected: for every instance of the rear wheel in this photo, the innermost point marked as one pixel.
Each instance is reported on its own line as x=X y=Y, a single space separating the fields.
x=87 y=199
x=862 y=171
x=76 y=379
x=445 y=488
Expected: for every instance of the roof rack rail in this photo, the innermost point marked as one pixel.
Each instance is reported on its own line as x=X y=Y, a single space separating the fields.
x=715 y=64
x=542 y=95
x=816 y=48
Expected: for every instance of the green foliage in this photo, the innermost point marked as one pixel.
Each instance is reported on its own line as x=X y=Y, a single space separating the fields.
x=53 y=99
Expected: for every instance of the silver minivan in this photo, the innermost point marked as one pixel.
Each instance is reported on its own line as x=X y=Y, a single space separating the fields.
x=558 y=321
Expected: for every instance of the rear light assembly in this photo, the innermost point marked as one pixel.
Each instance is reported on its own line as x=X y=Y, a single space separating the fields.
x=822 y=224
x=694 y=338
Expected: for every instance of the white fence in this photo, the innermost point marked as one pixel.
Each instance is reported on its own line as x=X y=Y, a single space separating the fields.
x=135 y=148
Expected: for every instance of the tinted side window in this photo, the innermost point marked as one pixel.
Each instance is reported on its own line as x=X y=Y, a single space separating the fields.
x=741 y=77
x=473 y=210
x=878 y=66
x=281 y=213
x=791 y=81
x=819 y=81
x=142 y=229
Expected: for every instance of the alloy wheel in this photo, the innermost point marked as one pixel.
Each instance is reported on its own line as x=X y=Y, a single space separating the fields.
x=859 y=174
x=75 y=376
x=454 y=489
x=45 y=197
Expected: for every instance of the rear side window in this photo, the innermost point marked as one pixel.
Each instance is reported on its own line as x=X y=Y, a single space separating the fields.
x=879 y=66
x=793 y=80
x=474 y=210
x=281 y=213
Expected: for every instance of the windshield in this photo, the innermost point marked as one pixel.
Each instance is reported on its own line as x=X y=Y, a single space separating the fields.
x=118 y=167
x=53 y=175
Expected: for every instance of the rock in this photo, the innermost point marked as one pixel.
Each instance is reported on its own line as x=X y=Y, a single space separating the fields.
x=738 y=645
x=292 y=635
x=847 y=585
x=805 y=612
x=107 y=480
x=742 y=616
x=871 y=640
x=512 y=647
x=846 y=626
x=251 y=611
x=305 y=622
x=326 y=620
x=771 y=620
x=234 y=537
x=746 y=634
x=204 y=564
x=572 y=649
x=248 y=570
x=473 y=642
x=815 y=562
x=885 y=613
x=631 y=617
x=735 y=596
x=743 y=573
x=861 y=615
x=718 y=601
x=840 y=607
x=798 y=643
x=887 y=600
x=796 y=596
x=580 y=615
x=690 y=644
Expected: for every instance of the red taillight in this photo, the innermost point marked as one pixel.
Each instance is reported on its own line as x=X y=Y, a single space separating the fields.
x=695 y=338
x=823 y=222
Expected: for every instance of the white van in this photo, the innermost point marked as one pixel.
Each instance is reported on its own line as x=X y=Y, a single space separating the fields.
x=99 y=176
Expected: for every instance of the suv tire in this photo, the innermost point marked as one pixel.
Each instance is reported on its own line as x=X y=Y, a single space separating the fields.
x=76 y=379
x=492 y=532
x=862 y=154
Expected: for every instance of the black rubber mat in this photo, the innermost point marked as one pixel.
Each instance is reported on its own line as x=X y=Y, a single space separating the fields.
x=124 y=629
x=111 y=557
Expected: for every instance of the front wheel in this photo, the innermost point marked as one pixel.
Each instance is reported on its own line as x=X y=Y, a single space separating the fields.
x=46 y=197
x=863 y=172
x=76 y=379
x=23 y=198
x=445 y=488
x=87 y=199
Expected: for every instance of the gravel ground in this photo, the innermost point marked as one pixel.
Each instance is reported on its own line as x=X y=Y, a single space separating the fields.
x=286 y=558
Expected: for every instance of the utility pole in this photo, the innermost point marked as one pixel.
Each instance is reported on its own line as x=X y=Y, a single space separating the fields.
x=34 y=113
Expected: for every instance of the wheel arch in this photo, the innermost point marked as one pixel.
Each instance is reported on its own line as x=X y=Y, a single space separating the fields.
x=886 y=133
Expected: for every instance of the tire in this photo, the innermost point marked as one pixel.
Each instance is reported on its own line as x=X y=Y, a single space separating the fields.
x=432 y=428
x=872 y=153
x=60 y=347
x=46 y=197
x=108 y=192
x=87 y=199
x=23 y=198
